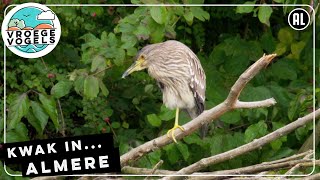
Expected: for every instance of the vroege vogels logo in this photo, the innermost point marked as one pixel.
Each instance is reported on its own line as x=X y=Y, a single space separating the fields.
x=31 y=30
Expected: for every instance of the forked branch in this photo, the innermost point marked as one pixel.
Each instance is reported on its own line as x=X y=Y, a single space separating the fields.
x=208 y=116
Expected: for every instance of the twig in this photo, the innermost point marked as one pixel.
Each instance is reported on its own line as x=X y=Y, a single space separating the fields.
x=155 y=168
x=62 y=119
x=254 y=169
x=45 y=65
x=207 y=116
x=296 y=156
x=101 y=70
x=114 y=133
x=203 y=163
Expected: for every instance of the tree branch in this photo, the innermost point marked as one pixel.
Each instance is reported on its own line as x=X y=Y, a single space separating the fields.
x=303 y=159
x=203 y=163
x=207 y=116
x=256 y=104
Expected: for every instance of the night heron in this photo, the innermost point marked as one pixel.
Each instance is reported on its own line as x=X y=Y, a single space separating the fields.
x=179 y=75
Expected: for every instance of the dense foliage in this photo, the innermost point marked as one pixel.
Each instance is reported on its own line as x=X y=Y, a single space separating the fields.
x=77 y=89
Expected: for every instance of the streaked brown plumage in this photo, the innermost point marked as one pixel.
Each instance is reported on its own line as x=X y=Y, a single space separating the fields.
x=178 y=73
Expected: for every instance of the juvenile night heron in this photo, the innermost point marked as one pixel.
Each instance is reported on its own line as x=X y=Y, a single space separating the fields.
x=179 y=75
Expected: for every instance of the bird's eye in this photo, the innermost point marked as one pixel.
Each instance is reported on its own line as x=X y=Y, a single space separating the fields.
x=142 y=57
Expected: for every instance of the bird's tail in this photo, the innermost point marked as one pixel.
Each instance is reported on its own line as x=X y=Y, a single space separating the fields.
x=193 y=113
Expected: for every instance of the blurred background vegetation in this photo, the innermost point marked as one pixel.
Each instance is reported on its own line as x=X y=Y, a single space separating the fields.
x=77 y=89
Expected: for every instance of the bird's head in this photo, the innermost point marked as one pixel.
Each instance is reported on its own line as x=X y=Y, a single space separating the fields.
x=141 y=61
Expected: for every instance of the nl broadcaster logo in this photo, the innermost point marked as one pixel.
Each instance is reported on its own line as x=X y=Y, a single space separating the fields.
x=31 y=30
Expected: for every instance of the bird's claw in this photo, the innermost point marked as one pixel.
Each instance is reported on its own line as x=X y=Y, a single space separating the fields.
x=176 y=126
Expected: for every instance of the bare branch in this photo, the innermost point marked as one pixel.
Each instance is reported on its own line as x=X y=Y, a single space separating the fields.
x=288 y=162
x=296 y=156
x=203 y=163
x=246 y=77
x=155 y=168
x=251 y=169
x=207 y=116
x=256 y=104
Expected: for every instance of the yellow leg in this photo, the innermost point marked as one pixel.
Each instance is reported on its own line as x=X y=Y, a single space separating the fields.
x=176 y=125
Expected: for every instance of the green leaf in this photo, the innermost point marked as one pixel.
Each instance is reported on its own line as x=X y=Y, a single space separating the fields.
x=193 y=139
x=268 y=42
x=125 y=125
x=142 y=32
x=154 y=157
x=19 y=134
x=199 y=13
x=166 y=114
x=79 y=84
x=264 y=14
x=13 y=136
x=255 y=93
x=154 y=120
x=231 y=117
x=217 y=144
x=148 y=88
x=132 y=51
x=119 y=58
x=49 y=106
x=218 y=55
x=125 y=27
x=245 y=9
x=173 y=153
x=159 y=14
x=115 y=125
x=17 y=109
x=296 y=49
x=129 y=41
x=103 y=88
x=34 y=122
x=91 y=87
x=284 y=69
x=188 y=16
x=276 y=144
x=61 y=89
x=170 y=32
x=183 y=150
x=281 y=48
x=112 y=40
x=98 y=63
x=22 y=131
x=40 y=114
x=286 y=36
x=255 y=131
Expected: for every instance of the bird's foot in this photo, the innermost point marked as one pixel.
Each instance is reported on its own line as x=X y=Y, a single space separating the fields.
x=176 y=126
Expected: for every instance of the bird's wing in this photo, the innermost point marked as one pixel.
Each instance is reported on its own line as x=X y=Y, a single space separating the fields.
x=198 y=81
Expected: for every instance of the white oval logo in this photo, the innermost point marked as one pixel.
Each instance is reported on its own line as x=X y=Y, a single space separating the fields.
x=31 y=30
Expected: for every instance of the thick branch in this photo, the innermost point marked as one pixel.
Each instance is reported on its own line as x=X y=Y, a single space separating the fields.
x=203 y=163
x=207 y=116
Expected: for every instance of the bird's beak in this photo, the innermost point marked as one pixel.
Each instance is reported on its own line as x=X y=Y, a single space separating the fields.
x=136 y=66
